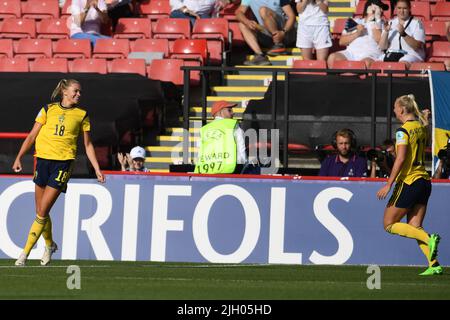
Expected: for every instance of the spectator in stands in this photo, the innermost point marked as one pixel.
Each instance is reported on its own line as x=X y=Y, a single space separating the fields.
x=87 y=19
x=274 y=28
x=192 y=9
x=313 y=29
x=222 y=143
x=384 y=159
x=133 y=161
x=361 y=36
x=346 y=163
x=119 y=9
x=55 y=134
x=403 y=37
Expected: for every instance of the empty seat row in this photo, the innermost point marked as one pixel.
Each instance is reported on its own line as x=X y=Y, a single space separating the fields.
x=360 y=65
x=33 y=9
x=105 y=48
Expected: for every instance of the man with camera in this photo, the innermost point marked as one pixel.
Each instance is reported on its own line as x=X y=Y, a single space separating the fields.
x=443 y=168
x=346 y=163
x=383 y=158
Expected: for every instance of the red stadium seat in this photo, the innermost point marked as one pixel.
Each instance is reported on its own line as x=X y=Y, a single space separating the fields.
x=40 y=9
x=89 y=66
x=346 y=64
x=14 y=65
x=166 y=70
x=18 y=28
x=65 y=11
x=382 y=65
x=34 y=48
x=49 y=65
x=154 y=9
x=424 y=66
x=72 y=48
x=439 y=51
x=193 y=52
x=6 y=48
x=172 y=29
x=420 y=10
x=151 y=45
x=133 y=28
x=111 y=48
x=441 y=11
x=10 y=9
x=52 y=29
x=218 y=35
x=229 y=13
x=339 y=25
x=128 y=66
x=310 y=64
x=189 y=49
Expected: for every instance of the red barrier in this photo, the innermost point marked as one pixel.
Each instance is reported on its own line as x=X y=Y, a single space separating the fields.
x=16 y=135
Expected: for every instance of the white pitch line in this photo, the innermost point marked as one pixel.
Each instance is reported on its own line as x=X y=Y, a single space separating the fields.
x=26 y=267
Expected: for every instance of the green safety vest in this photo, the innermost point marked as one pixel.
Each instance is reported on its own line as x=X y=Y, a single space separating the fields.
x=218 y=147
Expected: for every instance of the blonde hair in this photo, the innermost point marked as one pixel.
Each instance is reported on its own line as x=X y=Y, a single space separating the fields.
x=409 y=103
x=62 y=85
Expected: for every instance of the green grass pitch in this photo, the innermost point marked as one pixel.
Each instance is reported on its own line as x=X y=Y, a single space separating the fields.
x=180 y=281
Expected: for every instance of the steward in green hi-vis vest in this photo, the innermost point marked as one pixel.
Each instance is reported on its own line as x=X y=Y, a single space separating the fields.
x=218 y=147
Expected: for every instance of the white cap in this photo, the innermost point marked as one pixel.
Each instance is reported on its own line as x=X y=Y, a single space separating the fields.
x=137 y=152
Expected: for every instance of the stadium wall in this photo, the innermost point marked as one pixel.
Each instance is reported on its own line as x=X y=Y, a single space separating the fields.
x=191 y=218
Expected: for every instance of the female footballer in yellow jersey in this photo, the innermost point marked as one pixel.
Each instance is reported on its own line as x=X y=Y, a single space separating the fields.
x=55 y=135
x=413 y=185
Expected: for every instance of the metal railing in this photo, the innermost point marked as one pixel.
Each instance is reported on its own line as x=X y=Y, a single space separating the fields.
x=204 y=70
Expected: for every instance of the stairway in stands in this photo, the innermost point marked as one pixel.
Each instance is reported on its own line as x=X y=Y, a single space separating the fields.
x=238 y=88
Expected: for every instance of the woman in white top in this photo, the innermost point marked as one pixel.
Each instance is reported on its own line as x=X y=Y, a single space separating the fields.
x=87 y=19
x=362 y=43
x=400 y=31
x=313 y=29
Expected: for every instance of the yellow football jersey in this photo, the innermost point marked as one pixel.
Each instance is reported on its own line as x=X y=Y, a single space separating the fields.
x=414 y=136
x=57 y=139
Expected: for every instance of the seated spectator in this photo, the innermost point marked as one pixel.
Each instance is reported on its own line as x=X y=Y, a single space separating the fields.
x=447 y=28
x=133 y=161
x=87 y=19
x=313 y=29
x=192 y=9
x=274 y=28
x=361 y=36
x=403 y=37
x=345 y=163
x=119 y=9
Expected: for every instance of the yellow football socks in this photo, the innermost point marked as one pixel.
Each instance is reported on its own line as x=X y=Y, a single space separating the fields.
x=47 y=232
x=35 y=233
x=406 y=230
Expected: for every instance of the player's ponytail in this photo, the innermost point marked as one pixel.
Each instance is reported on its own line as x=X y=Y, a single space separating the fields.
x=62 y=85
x=409 y=103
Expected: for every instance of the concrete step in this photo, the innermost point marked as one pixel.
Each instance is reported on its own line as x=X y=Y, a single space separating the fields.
x=250 y=80
x=237 y=91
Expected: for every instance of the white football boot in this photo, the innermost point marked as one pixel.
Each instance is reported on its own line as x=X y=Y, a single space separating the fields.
x=21 y=261
x=47 y=257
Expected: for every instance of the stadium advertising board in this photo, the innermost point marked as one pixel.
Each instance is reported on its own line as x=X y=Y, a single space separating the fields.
x=220 y=220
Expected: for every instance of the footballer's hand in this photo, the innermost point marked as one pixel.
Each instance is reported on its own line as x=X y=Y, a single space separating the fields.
x=100 y=176
x=17 y=166
x=383 y=192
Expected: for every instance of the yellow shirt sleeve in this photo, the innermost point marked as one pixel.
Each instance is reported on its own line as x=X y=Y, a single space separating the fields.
x=42 y=116
x=401 y=137
x=86 y=124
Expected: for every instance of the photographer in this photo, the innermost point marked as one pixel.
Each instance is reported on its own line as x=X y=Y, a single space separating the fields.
x=383 y=158
x=443 y=168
